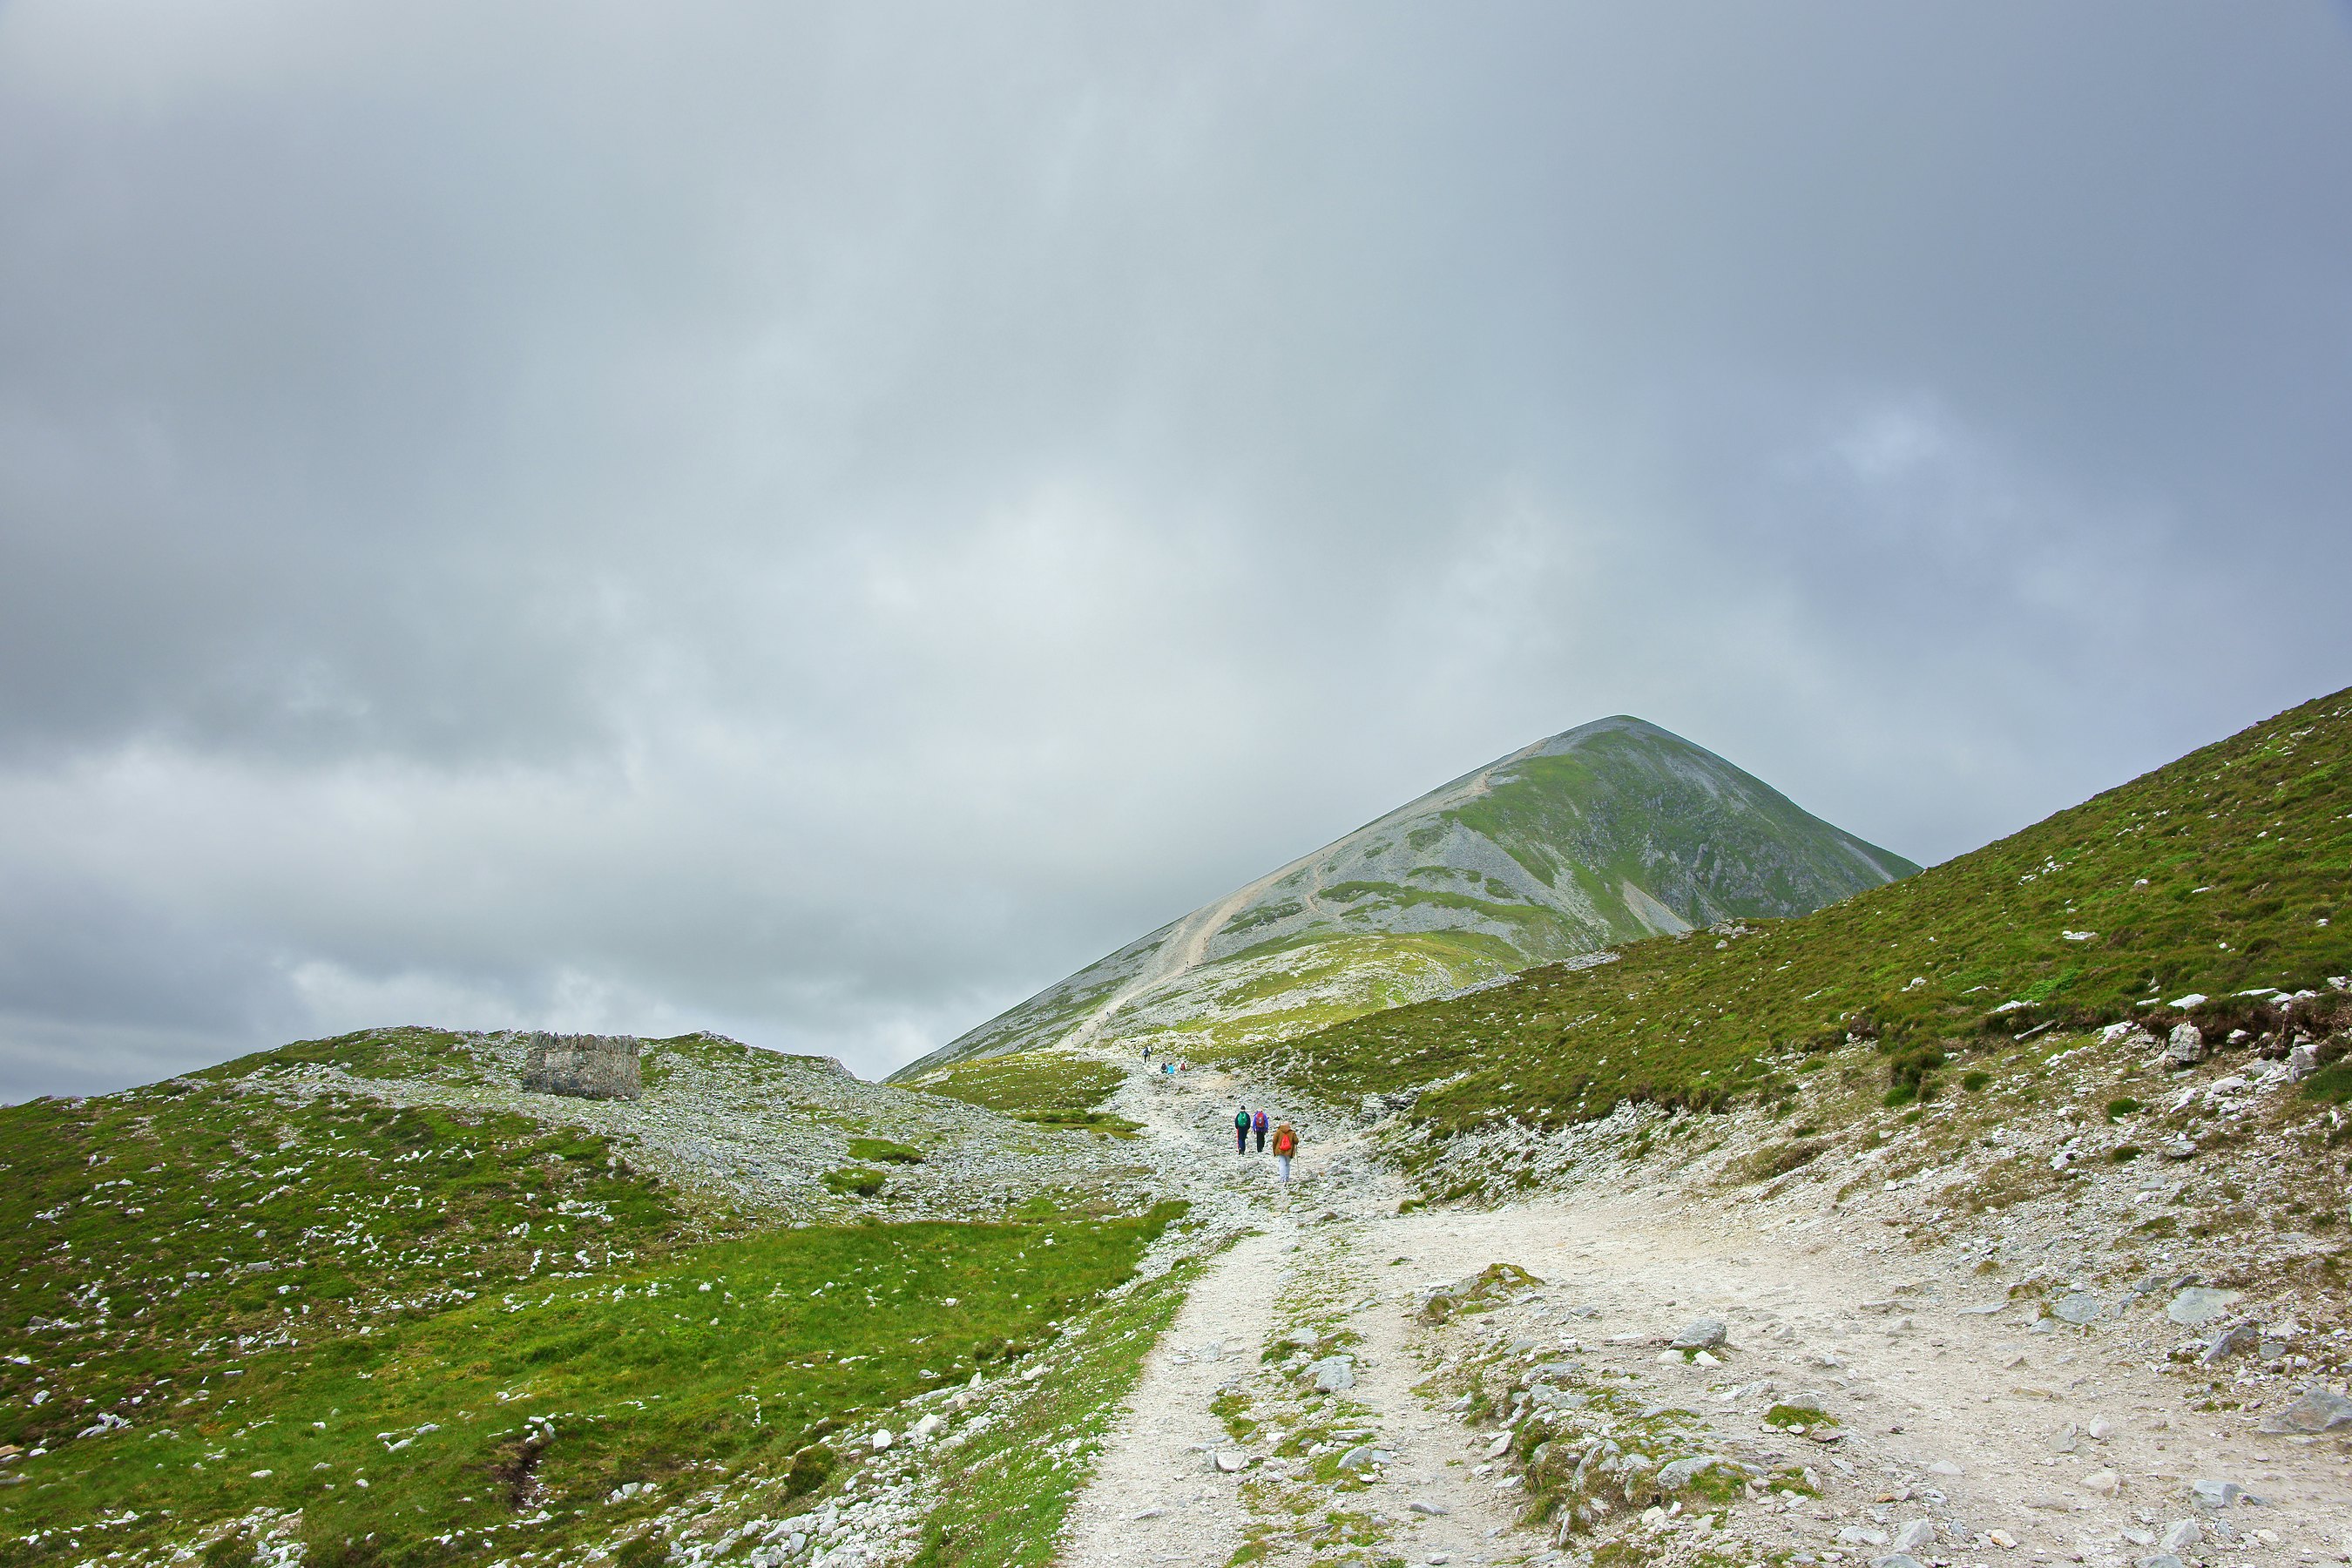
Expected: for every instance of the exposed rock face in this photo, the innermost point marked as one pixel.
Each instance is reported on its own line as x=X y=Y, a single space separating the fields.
x=586 y=1067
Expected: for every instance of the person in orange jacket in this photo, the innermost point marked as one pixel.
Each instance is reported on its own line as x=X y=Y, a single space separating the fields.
x=1286 y=1144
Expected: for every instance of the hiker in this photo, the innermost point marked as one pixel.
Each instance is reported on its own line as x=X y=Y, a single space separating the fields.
x=1257 y=1126
x=1286 y=1144
x=1147 y=1053
x=1241 y=1130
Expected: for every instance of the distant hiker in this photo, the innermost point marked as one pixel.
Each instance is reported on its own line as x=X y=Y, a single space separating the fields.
x=1147 y=1053
x=1286 y=1144
x=1257 y=1126
x=1241 y=1130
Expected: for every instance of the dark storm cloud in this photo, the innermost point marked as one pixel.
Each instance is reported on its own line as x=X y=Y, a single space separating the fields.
x=815 y=522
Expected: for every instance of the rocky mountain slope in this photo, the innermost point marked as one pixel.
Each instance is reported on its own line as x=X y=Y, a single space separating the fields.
x=1606 y=833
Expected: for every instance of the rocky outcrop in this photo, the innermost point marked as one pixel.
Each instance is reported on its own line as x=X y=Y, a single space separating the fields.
x=586 y=1067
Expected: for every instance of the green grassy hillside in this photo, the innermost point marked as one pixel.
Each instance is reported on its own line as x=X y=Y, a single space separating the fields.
x=425 y=1335
x=2222 y=875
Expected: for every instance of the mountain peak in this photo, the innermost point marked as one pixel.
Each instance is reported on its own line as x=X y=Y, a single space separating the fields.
x=1608 y=832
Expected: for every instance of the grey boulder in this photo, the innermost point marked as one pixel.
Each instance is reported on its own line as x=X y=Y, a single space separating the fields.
x=2197 y=1305
x=1703 y=1334
x=2210 y=1493
x=1915 y=1536
x=2316 y=1409
x=2230 y=1342
x=1331 y=1375
x=2078 y=1308
x=1681 y=1472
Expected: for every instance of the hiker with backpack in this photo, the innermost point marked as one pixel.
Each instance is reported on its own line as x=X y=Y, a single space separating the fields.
x=1286 y=1144
x=1241 y=1130
x=1257 y=1127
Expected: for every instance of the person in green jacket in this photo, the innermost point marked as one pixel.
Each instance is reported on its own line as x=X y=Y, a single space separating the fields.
x=1241 y=1130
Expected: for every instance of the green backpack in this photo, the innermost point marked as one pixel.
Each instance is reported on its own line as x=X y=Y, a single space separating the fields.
x=1240 y=1121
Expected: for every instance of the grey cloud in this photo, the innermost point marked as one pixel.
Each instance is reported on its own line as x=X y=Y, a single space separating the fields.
x=818 y=522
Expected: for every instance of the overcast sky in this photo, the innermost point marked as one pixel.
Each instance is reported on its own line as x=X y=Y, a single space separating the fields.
x=815 y=521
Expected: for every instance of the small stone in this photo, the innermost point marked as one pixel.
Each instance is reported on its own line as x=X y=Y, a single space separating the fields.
x=2181 y=1535
x=1702 y=1359
x=1146 y=1513
x=2214 y=1494
x=882 y=1439
x=2182 y=1148
x=1944 y=1467
x=2002 y=1538
x=2186 y=1045
x=2316 y=1409
x=2106 y=1483
x=1862 y=1535
x=1231 y=1462
x=2230 y=1342
x=1359 y=1458
x=1915 y=1536
x=927 y=1425
x=1703 y=1334
x=2100 y=1430
x=2196 y=1306
x=1433 y=1510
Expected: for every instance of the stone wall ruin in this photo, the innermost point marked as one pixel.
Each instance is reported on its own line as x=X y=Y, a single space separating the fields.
x=586 y=1067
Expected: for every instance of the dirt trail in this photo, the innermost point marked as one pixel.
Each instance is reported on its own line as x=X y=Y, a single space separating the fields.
x=1951 y=1412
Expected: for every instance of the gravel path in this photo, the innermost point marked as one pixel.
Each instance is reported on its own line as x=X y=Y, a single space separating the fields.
x=1158 y=1494
x=1987 y=1439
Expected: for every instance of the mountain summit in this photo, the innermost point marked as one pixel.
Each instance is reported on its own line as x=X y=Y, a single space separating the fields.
x=1606 y=833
